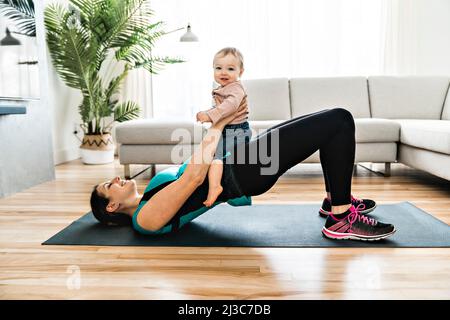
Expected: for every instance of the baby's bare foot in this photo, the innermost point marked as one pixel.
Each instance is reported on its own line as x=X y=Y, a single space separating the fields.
x=213 y=193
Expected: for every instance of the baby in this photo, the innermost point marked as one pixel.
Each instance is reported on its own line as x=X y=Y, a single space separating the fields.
x=228 y=67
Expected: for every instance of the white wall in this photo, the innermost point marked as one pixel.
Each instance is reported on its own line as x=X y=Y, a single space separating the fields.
x=64 y=103
x=433 y=37
x=26 y=156
x=417 y=37
x=64 y=108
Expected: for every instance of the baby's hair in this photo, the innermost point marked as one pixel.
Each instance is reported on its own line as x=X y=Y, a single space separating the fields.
x=233 y=51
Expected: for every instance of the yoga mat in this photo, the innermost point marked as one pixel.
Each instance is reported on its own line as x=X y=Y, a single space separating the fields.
x=263 y=226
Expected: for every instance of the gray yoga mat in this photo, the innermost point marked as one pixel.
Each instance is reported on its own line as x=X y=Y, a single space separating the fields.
x=262 y=226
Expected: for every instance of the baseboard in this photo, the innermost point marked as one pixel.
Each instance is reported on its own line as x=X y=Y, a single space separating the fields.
x=65 y=155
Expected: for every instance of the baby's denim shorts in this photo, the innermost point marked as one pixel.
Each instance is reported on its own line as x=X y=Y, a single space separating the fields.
x=233 y=134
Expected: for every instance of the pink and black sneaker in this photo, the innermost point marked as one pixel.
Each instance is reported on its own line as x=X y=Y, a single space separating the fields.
x=355 y=226
x=369 y=206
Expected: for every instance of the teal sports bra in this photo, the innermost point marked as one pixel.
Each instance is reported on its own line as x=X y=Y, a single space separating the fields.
x=189 y=211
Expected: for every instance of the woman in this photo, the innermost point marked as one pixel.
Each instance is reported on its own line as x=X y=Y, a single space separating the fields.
x=175 y=197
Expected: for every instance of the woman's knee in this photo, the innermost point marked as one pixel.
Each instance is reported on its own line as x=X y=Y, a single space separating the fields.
x=345 y=116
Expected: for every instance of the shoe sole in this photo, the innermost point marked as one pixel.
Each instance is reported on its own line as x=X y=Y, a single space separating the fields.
x=352 y=236
x=325 y=214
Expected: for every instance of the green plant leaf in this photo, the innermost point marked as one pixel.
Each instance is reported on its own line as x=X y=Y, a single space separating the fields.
x=156 y=64
x=126 y=111
x=22 y=12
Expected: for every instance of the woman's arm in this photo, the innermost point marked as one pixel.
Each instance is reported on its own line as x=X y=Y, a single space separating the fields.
x=166 y=202
x=199 y=163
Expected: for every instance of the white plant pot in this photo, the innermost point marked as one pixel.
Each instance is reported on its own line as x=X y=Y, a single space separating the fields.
x=97 y=149
x=97 y=156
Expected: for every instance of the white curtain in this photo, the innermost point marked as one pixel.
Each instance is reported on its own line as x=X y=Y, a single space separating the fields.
x=284 y=38
x=137 y=87
x=401 y=39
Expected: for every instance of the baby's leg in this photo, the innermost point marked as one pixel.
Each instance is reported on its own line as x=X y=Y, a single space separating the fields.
x=214 y=178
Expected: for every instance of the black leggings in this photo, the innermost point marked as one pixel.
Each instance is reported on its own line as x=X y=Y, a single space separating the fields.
x=330 y=131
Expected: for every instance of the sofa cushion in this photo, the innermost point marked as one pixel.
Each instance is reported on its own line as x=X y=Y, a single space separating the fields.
x=433 y=135
x=159 y=131
x=433 y=162
x=411 y=97
x=367 y=152
x=367 y=129
x=268 y=99
x=259 y=127
x=264 y=124
x=377 y=130
x=313 y=94
x=156 y=153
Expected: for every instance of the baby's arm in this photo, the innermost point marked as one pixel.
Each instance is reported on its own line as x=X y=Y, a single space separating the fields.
x=202 y=116
x=234 y=96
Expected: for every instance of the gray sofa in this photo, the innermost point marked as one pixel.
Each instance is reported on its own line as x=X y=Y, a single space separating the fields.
x=398 y=119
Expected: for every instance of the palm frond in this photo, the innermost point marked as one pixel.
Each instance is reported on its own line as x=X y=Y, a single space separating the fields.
x=126 y=111
x=71 y=56
x=141 y=38
x=114 y=85
x=22 y=12
x=86 y=8
x=156 y=64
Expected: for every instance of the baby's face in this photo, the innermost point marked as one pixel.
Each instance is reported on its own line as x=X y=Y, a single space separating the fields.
x=226 y=69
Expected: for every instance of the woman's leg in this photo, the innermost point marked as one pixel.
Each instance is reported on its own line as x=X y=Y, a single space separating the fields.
x=331 y=131
x=327 y=187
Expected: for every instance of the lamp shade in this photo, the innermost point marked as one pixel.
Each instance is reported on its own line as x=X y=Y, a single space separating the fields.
x=189 y=36
x=9 y=40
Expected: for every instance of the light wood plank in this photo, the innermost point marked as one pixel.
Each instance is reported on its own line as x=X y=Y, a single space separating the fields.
x=31 y=271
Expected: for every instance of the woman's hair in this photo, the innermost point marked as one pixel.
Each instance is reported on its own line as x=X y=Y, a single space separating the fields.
x=98 y=206
x=233 y=51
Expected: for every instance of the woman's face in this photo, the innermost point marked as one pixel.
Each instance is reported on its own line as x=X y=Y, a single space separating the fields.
x=118 y=191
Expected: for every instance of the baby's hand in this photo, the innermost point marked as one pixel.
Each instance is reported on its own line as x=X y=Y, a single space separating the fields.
x=202 y=116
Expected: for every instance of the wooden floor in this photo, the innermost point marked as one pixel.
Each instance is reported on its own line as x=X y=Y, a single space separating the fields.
x=29 y=270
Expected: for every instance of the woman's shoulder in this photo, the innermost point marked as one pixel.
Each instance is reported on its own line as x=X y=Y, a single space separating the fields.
x=160 y=181
x=164 y=176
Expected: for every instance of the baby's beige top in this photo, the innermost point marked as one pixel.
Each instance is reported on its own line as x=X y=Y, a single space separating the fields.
x=228 y=99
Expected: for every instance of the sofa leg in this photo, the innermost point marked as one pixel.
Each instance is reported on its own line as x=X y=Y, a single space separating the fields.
x=386 y=173
x=127 y=172
x=152 y=170
x=126 y=168
x=387 y=169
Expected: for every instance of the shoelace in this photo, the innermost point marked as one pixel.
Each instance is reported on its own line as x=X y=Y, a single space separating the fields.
x=356 y=200
x=356 y=216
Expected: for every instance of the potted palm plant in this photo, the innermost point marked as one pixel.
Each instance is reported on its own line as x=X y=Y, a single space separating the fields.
x=80 y=39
